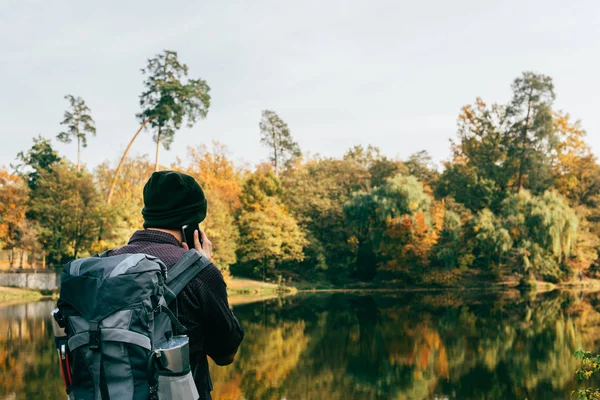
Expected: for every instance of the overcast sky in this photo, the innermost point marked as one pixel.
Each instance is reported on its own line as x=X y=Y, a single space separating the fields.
x=389 y=73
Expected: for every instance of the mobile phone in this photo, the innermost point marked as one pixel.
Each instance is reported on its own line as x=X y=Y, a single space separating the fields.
x=187 y=235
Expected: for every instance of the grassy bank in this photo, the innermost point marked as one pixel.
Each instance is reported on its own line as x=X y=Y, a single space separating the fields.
x=444 y=280
x=238 y=286
x=16 y=295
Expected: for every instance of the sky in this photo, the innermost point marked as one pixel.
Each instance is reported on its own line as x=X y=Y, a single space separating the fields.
x=389 y=73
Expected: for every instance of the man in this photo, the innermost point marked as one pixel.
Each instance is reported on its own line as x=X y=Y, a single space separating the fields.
x=172 y=200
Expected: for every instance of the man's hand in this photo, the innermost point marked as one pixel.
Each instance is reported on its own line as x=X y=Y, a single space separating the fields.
x=204 y=247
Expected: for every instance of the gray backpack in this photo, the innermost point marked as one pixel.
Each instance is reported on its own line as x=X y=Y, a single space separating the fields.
x=120 y=340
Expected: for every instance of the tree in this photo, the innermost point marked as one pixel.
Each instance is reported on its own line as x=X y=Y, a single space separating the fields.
x=463 y=184
x=269 y=235
x=397 y=224
x=215 y=171
x=41 y=157
x=14 y=199
x=79 y=124
x=544 y=232
x=576 y=170
x=275 y=134
x=69 y=211
x=420 y=165
x=482 y=144
x=169 y=98
x=315 y=191
x=531 y=135
x=128 y=196
x=409 y=222
x=492 y=241
x=379 y=166
x=221 y=181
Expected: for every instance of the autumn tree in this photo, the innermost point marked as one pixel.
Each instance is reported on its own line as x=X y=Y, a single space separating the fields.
x=14 y=199
x=221 y=181
x=128 y=196
x=576 y=170
x=79 y=124
x=396 y=225
x=275 y=134
x=269 y=235
x=577 y=177
x=410 y=222
x=214 y=170
x=169 y=99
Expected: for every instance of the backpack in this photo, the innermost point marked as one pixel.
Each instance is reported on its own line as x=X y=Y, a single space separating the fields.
x=114 y=312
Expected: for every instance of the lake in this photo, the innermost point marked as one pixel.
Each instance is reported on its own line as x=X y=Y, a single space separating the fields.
x=402 y=345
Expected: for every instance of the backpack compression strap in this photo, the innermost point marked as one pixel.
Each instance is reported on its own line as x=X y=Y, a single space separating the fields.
x=183 y=272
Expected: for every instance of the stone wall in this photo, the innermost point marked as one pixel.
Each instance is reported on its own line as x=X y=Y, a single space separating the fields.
x=48 y=280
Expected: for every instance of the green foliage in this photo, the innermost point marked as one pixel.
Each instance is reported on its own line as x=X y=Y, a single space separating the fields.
x=401 y=195
x=451 y=243
x=531 y=137
x=170 y=97
x=544 y=230
x=492 y=240
x=39 y=158
x=590 y=365
x=69 y=210
x=464 y=185
x=315 y=191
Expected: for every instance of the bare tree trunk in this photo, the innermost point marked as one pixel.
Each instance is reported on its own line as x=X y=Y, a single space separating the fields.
x=157 y=150
x=78 y=152
x=21 y=259
x=11 y=258
x=523 y=138
x=118 y=170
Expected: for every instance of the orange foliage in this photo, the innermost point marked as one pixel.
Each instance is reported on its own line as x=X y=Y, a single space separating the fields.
x=13 y=206
x=411 y=238
x=215 y=172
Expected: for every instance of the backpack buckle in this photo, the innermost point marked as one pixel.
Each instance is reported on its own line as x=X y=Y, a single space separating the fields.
x=94 y=335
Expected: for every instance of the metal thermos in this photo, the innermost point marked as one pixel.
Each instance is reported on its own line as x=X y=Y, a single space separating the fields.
x=173 y=354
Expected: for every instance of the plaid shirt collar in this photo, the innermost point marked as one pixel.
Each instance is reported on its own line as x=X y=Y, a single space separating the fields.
x=154 y=236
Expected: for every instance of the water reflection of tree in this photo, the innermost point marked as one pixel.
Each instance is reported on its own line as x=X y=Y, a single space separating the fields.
x=28 y=360
x=409 y=347
x=406 y=346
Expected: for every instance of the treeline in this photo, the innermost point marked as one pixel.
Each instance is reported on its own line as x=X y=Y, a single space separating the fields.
x=520 y=196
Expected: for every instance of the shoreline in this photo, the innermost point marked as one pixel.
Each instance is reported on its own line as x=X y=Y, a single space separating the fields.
x=244 y=291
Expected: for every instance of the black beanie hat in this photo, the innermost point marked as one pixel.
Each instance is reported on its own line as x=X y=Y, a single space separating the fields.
x=172 y=199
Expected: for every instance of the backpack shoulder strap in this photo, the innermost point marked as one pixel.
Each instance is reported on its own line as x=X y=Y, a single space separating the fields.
x=102 y=255
x=183 y=272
